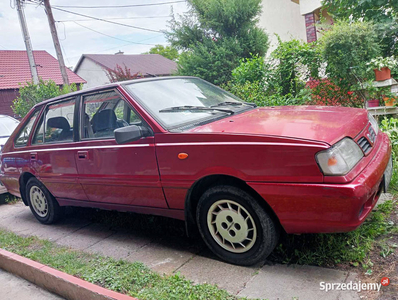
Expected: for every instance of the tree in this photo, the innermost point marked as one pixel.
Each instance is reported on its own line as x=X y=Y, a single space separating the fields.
x=30 y=94
x=122 y=74
x=169 y=51
x=215 y=35
x=383 y=13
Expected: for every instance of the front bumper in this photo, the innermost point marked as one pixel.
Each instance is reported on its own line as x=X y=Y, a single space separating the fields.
x=323 y=208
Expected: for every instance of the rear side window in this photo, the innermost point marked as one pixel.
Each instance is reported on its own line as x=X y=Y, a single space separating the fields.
x=23 y=136
x=58 y=123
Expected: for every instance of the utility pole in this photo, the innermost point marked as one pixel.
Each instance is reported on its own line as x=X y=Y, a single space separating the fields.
x=26 y=39
x=57 y=46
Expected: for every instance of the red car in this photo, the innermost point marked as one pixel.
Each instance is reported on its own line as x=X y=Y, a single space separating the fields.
x=183 y=148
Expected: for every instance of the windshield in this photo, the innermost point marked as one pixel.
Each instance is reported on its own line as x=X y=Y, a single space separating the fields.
x=7 y=126
x=177 y=102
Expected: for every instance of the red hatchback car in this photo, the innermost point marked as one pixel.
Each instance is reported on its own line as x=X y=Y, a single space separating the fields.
x=183 y=148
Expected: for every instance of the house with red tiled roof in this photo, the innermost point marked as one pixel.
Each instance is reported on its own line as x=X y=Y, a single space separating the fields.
x=15 y=70
x=94 y=68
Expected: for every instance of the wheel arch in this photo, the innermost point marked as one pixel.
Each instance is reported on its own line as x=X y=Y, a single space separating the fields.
x=203 y=184
x=23 y=180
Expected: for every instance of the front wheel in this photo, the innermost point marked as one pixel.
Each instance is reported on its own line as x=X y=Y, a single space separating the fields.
x=42 y=204
x=235 y=227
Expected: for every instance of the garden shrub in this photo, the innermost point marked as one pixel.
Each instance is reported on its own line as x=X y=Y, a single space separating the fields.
x=325 y=92
x=346 y=48
x=293 y=63
x=255 y=92
x=30 y=94
x=250 y=69
x=390 y=126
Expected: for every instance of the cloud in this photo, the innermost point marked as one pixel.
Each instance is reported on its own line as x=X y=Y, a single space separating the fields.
x=76 y=39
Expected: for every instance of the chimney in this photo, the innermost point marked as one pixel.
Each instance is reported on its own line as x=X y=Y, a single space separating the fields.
x=119 y=53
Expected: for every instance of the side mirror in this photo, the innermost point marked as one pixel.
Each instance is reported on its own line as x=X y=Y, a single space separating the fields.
x=130 y=134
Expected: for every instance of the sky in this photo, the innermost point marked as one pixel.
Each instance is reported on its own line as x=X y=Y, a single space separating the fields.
x=75 y=32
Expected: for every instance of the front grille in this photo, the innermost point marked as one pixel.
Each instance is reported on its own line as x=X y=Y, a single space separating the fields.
x=364 y=144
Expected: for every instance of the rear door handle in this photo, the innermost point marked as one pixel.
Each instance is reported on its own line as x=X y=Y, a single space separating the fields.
x=33 y=156
x=82 y=155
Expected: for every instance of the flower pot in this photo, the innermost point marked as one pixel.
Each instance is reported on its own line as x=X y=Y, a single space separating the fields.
x=383 y=74
x=373 y=103
x=389 y=101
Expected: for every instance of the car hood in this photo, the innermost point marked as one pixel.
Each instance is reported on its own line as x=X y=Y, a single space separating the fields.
x=318 y=123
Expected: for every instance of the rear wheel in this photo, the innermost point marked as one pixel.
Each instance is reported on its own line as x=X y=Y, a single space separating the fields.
x=235 y=227
x=42 y=204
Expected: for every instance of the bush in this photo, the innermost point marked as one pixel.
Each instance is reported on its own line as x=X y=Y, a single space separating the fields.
x=346 y=48
x=255 y=92
x=250 y=69
x=294 y=62
x=390 y=126
x=325 y=92
x=30 y=94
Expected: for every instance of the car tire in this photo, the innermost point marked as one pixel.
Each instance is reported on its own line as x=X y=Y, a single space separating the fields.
x=235 y=227
x=42 y=204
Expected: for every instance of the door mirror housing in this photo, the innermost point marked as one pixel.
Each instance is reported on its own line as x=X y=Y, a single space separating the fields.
x=130 y=133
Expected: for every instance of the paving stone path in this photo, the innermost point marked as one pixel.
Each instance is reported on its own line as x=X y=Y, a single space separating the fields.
x=168 y=254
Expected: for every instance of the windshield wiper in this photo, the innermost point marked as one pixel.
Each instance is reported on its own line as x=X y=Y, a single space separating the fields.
x=195 y=109
x=226 y=103
x=233 y=103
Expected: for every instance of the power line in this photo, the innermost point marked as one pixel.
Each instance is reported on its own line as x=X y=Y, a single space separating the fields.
x=120 y=6
x=131 y=18
x=110 y=36
x=107 y=21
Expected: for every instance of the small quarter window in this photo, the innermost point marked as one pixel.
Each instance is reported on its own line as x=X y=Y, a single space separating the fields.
x=59 y=122
x=23 y=136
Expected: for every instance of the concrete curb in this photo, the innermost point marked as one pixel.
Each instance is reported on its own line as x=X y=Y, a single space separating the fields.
x=55 y=281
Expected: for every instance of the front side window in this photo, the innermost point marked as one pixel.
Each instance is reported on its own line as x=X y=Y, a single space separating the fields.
x=178 y=102
x=103 y=113
x=23 y=136
x=58 y=122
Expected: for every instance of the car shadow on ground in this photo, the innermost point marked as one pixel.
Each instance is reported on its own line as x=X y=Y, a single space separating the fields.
x=165 y=232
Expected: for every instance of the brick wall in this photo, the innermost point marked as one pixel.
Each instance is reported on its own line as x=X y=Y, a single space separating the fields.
x=6 y=98
x=310 y=27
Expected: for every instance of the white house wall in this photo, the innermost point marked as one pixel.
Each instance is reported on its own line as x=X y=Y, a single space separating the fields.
x=93 y=73
x=282 y=17
x=308 y=6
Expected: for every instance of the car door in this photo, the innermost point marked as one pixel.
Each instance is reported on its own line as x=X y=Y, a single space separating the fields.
x=52 y=151
x=110 y=173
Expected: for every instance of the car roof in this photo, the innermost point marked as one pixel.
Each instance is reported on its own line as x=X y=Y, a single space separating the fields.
x=5 y=116
x=109 y=85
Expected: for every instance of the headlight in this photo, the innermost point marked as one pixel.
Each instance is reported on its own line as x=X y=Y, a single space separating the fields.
x=340 y=158
x=374 y=123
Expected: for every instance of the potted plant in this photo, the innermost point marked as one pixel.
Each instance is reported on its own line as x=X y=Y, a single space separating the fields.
x=382 y=67
x=389 y=98
x=379 y=95
x=376 y=95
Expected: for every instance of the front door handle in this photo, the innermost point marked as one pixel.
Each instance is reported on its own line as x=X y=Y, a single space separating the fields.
x=33 y=156
x=81 y=155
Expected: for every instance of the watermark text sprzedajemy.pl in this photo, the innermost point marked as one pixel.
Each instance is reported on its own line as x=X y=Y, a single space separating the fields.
x=350 y=286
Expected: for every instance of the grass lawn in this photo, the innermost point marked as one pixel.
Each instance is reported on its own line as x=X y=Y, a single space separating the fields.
x=133 y=279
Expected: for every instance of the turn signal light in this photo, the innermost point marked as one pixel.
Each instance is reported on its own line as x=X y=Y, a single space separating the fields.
x=332 y=161
x=182 y=155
